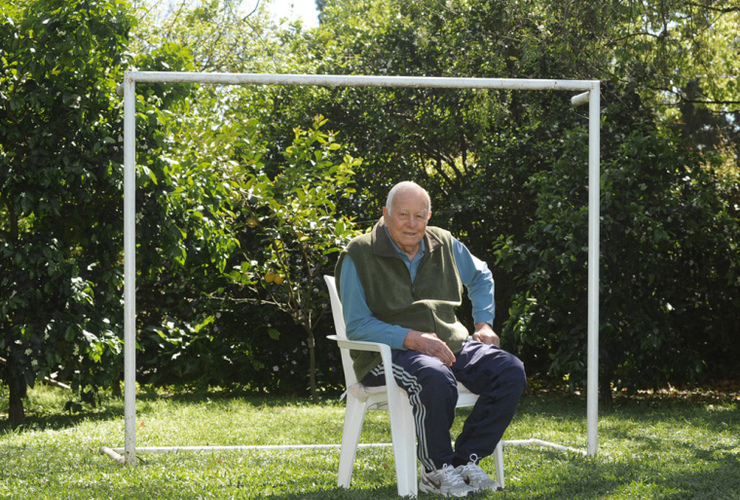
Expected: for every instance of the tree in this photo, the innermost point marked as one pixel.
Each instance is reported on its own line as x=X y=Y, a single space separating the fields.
x=222 y=35
x=61 y=186
x=507 y=163
x=668 y=263
x=495 y=160
x=60 y=203
x=294 y=217
x=192 y=329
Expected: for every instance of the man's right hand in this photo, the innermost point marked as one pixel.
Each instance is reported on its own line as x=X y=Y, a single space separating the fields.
x=429 y=344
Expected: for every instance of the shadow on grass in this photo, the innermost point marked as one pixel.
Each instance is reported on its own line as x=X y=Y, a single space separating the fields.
x=656 y=469
x=719 y=479
x=58 y=420
x=386 y=493
x=110 y=407
x=251 y=397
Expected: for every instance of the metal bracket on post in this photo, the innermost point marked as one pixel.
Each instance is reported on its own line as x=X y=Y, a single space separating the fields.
x=580 y=99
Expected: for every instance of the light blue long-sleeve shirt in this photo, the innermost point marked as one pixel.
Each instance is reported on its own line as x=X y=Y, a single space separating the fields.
x=362 y=325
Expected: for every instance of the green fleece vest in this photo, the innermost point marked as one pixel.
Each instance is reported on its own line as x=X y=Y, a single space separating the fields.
x=427 y=305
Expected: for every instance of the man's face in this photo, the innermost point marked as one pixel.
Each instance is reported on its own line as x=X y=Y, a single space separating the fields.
x=407 y=220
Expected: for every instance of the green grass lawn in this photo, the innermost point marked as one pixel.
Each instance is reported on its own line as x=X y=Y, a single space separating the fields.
x=650 y=447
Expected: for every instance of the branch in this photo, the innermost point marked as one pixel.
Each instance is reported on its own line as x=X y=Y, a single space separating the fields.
x=242 y=300
x=13 y=234
x=680 y=96
x=721 y=10
x=47 y=380
x=636 y=34
x=699 y=101
x=173 y=17
x=253 y=11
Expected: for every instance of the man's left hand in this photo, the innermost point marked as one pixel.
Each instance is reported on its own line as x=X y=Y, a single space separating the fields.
x=484 y=333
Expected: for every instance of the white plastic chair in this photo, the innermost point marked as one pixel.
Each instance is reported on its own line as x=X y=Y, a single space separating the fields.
x=388 y=397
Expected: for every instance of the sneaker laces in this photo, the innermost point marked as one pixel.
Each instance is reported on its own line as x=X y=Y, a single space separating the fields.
x=451 y=475
x=472 y=474
x=474 y=459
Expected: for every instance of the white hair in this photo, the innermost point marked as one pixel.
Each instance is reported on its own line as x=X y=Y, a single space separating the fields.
x=403 y=186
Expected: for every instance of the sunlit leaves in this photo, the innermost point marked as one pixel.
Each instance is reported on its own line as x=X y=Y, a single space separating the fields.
x=294 y=217
x=510 y=166
x=59 y=191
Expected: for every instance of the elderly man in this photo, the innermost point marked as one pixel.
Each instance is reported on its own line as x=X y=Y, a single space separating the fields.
x=400 y=285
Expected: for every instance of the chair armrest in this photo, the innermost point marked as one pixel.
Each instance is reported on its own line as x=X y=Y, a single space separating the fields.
x=363 y=345
x=360 y=345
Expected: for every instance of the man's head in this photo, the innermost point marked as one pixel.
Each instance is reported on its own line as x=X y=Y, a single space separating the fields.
x=406 y=214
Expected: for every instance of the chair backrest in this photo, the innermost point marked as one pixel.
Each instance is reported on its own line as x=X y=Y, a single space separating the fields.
x=338 y=315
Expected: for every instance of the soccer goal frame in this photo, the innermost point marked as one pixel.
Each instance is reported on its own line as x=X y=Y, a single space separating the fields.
x=589 y=93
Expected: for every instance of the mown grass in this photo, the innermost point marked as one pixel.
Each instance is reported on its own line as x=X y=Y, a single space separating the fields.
x=650 y=447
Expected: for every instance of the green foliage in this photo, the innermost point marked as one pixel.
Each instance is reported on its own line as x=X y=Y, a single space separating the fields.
x=59 y=223
x=222 y=35
x=667 y=260
x=510 y=167
x=241 y=245
x=241 y=206
x=202 y=323
x=294 y=219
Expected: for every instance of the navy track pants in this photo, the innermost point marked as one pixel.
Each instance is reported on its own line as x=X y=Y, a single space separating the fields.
x=498 y=378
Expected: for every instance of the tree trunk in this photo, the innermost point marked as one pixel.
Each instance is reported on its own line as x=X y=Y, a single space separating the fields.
x=312 y=366
x=605 y=392
x=16 y=413
x=116 y=387
x=17 y=390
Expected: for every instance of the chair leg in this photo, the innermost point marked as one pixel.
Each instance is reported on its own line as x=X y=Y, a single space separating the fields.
x=498 y=458
x=403 y=432
x=354 y=417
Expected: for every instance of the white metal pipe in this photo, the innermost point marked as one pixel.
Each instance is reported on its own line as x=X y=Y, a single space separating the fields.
x=359 y=81
x=540 y=442
x=129 y=266
x=131 y=77
x=594 y=175
x=169 y=449
x=113 y=454
x=594 y=216
x=579 y=99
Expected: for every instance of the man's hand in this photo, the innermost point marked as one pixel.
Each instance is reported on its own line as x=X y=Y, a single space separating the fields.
x=429 y=344
x=484 y=333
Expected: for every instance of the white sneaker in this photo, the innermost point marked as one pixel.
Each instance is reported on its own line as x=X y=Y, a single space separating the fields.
x=474 y=476
x=445 y=481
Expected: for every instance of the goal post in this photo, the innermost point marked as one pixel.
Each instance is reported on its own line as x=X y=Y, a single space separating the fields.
x=589 y=93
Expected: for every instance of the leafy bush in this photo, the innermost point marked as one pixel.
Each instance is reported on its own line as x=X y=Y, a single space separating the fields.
x=668 y=263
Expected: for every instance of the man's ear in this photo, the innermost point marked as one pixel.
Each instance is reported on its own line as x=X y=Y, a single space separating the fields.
x=385 y=214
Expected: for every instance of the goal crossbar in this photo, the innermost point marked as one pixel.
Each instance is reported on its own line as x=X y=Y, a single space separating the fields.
x=590 y=93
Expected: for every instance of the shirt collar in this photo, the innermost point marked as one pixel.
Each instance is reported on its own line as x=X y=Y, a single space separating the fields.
x=384 y=246
x=419 y=254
